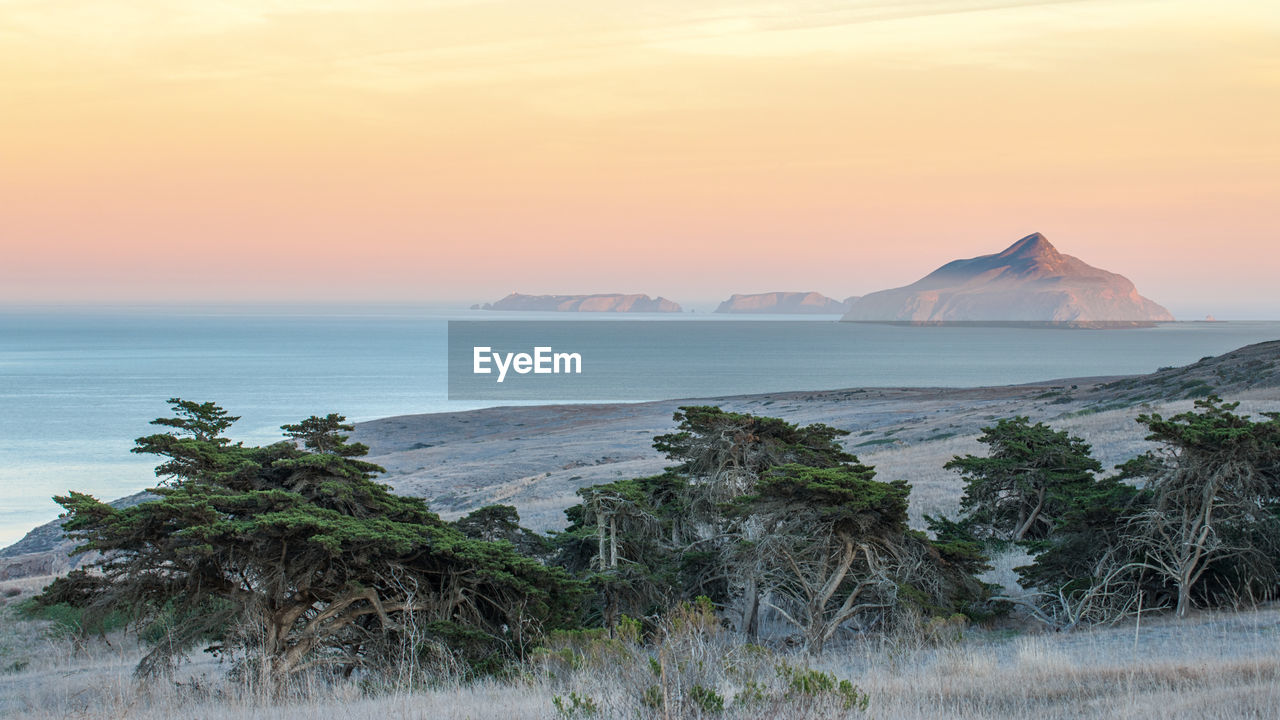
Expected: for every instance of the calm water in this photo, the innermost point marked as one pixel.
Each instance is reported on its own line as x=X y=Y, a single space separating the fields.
x=77 y=387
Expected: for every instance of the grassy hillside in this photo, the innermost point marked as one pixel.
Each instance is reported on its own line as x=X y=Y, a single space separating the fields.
x=1213 y=665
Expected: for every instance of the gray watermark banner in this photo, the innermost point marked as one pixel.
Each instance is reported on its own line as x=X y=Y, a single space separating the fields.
x=590 y=359
x=594 y=358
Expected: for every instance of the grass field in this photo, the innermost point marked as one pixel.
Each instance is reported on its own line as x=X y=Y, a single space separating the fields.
x=1212 y=665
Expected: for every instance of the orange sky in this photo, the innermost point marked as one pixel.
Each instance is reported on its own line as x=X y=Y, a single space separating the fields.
x=422 y=150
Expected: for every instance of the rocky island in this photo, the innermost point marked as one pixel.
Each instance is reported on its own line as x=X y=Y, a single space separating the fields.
x=790 y=303
x=604 y=302
x=1030 y=281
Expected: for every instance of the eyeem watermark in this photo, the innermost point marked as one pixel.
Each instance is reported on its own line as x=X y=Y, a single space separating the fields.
x=543 y=361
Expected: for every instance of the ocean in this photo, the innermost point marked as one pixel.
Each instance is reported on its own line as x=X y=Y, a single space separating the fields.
x=78 y=385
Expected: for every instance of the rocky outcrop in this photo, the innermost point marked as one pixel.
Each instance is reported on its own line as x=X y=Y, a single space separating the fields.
x=611 y=302
x=790 y=303
x=1028 y=282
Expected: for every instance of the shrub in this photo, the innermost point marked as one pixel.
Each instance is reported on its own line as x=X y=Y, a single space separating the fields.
x=70 y=621
x=575 y=706
x=709 y=701
x=815 y=685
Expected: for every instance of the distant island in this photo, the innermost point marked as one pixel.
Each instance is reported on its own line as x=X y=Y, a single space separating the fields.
x=1030 y=281
x=605 y=302
x=791 y=303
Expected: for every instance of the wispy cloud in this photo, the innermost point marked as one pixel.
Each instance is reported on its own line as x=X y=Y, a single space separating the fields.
x=126 y=22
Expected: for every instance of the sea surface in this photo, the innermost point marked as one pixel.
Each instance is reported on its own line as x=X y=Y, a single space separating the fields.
x=78 y=385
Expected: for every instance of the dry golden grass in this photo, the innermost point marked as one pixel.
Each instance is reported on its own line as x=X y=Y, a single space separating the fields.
x=1212 y=665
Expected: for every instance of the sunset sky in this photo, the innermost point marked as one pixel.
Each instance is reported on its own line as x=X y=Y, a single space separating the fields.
x=433 y=150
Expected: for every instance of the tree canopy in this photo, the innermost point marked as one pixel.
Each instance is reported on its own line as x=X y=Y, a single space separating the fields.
x=296 y=557
x=1194 y=522
x=292 y=556
x=1211 y=525
x=1027 y=481
x=759 y=512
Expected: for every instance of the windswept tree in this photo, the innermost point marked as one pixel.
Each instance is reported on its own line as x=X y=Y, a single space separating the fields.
x=1214 y=508
x=840 y=553
x=622 y=538
x=723 y=455
x=294 y=557
x=725 y=452
x=1041 y=487
x=325 y=435
x=502 y=523
x=651 y=542
x=1082 y=569
x=195 y=447
x=1027 y=480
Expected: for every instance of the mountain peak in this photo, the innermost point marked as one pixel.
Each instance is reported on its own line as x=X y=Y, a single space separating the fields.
x=1029 y=281
x=1034 y=245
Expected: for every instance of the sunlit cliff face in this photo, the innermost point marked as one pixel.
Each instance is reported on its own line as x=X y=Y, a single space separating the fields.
x=389 y=150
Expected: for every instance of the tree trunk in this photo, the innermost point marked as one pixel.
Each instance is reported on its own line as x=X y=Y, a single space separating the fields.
x=1184 y=595
x=600 y=542
x=815 y=637
x=751 y=611
x=613 y=542
x=1025 y=525
x=1184 y=600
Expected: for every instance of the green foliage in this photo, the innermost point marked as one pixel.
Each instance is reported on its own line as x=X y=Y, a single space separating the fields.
x=1091 y=526
x=494 y=523
x=293 y=555
x=1211 y=527
x=70 y=603
x=752 y=695
x=566 y=651
x=750 y=500
x=652 y=697
x=944 y=630
x=73 y=621
x=482 y=653
x=708 y=440
x=575 y=706
x=846 y=499
x=77 y=588
x=693 y=618
x=324 y=435
x=1213 y=429
x=1202 y=528
x=839 y=549
x=956 y=545
x=196 y=447
x=706 y=700
x=620 y=540
x=628 y=630
x=815 y=684
x=300 y=552
x=646 y=544
x=1039 y=487
x=1027 y=480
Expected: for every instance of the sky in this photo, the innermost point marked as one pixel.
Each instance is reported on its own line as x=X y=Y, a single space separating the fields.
x=447 y=151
